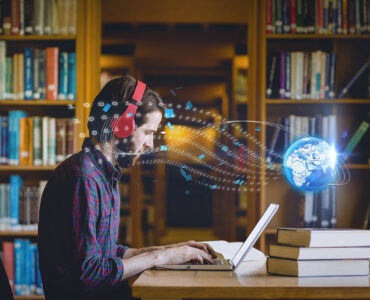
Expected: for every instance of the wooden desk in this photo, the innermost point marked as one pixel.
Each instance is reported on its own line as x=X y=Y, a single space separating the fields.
x=250 y=281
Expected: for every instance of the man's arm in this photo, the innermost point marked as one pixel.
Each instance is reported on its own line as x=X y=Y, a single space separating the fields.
x=173 y=255
x=136 y=251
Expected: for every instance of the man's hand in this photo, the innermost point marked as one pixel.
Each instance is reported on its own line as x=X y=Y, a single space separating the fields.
x=203 y=246
x=182 y=254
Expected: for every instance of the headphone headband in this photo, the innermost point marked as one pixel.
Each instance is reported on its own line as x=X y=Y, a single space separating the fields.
x=124 y=126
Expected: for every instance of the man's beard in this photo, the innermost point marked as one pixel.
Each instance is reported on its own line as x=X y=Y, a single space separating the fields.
x=122 y=150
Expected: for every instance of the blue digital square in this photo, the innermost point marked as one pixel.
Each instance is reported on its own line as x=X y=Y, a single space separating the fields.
x=169 y=113
x=106 y=107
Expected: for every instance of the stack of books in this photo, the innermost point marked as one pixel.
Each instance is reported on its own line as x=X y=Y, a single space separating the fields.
x=305 y=252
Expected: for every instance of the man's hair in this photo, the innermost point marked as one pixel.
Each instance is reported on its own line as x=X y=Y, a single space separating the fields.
x=120 y=90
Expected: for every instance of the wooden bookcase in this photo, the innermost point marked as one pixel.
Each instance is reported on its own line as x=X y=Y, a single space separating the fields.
x=86 y=45
x=352 y=51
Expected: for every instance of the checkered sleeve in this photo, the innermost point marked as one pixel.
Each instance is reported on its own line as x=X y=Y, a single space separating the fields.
x=96 y=270
x=121 y=250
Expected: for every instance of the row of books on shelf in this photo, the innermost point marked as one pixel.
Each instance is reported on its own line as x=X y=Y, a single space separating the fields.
x=306 y=252
x=38 y=17
x=38 y=141
x=304 y=75
x=292 y=127
x=37 y=74
x=22 y=268
x=241 y=86
x=318 y=16
x=19 y=205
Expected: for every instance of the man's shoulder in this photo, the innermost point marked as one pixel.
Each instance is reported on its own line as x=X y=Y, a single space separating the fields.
x=79 y=164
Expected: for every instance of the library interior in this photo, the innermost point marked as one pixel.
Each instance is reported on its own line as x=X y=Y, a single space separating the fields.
x=242 y=82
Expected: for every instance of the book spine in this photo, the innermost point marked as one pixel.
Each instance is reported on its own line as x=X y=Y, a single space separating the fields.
x=334 y=17
x=71 y=76
x=368 y=15
x=286 y=16
x=273 y=16
x=28 y=17
x=299 y=16
x=308 y=209
x=39 y=7
x=357 y=17
x=21 y=76
x=48 y=17
x=44 y=140
x=325 y=209
x=36 y=74
x=274 y=139
x=293 y=22
x=21 y=17
x=2 y=70
x=322 y=75
x=60 y=140
x=269 y=17
x=37 y=154
x=333 y=57
x=353 y=142
x=52 y=142
x=32 y=255
x=1 y=16
x=42 y=74
x=63 y=76
x=345 y=16
x=271 y=77
x=327 y=75
x=2 y=207
x=340 y=16
x=282 y=75
x=353 y=80
x=305 y=75
x=286 y=132
x=39 y=288
x=72 y=17
x=299 y=75
x=4 y=141
x=7 y=23
x=326 y=17
x=9 y=78
x=287 y=75
x=364 y=17
x=333 y=206
x=279 y=16
x=15 y=16
x=70 y=137
x=23 y=142
x=52 y=73
x=18 y=267
x=27 y=268
x=8 y=250
x=28 y=73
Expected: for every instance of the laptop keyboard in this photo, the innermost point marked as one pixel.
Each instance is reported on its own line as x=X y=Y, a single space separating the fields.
x=206 y=262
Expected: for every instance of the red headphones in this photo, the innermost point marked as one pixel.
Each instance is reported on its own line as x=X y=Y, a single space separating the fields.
x=124 y=126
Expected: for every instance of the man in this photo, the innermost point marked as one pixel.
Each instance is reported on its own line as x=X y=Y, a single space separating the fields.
x=80 y=206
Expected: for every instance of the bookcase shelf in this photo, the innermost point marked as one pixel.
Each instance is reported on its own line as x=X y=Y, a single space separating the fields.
x=352 y=52
x=22 y=233
x=26 y=168
x=37 y=37
x=32 y=297
x=36 y=102
x=318 y=101
x=317 y=36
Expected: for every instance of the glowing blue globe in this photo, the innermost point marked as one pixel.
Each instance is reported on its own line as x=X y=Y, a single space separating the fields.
x=309 y=164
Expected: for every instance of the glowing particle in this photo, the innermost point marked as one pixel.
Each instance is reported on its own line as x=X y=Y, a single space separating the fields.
x=164 y=148
x=237 y=181
x=170 y=125
x=128 y=115
x=172 y=92
x=221 y=163
x=186 y=176
x=178 y=88
x=258 y=129
x=169 y=113
x=187 y=192
x=224 y=128
x=86 y=104
x=106 y=107
x=213 y=186
x=189 y=105
x=201 y=156
x=224 y=148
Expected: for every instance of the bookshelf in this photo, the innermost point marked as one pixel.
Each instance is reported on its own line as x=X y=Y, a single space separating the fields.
x=352 y=51
x=85 y=44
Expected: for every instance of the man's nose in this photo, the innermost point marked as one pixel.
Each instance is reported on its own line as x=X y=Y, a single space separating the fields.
x=149 y=143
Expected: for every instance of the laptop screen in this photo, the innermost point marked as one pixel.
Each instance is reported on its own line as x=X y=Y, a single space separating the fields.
x=255 y=234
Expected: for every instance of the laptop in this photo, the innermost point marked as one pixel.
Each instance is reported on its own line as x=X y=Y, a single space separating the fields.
x=230 y=264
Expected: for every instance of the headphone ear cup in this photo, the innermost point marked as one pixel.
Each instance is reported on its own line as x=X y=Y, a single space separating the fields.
x=123 y=127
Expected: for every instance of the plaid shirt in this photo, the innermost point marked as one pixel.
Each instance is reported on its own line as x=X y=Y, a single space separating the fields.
x=79 y=223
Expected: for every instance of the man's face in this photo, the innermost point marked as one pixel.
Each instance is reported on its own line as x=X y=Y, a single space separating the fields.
x=141 y=139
